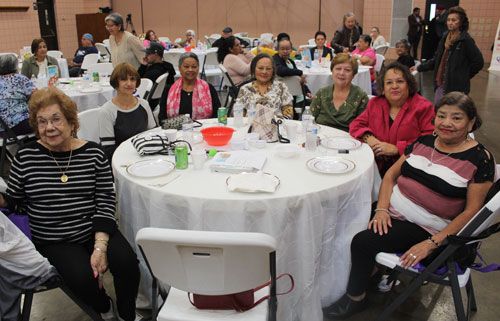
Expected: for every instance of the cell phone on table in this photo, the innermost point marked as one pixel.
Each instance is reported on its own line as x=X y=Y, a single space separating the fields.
x=343 y=151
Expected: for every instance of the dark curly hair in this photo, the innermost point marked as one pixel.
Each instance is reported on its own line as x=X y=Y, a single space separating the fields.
x=223 y=50
x=464 y=21
x=410 y=80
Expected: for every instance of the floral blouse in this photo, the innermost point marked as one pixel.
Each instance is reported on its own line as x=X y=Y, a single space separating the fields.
x=277 y=96
x=15 y=90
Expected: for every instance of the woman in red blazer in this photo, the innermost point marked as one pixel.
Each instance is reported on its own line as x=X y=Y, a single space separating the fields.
x=394 y=119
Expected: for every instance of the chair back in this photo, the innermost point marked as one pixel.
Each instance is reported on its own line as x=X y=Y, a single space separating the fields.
x=311 y=42
x=381 y=50
x=89 y=60
x=293 y=84
x=210 y=263
x=103 y=51
x=211 y=40
x=266 y=35
x=215 y=35
x=9 y=53
x=165 y=39
x=89 y=125
x=158 y=87
x=210 y=60
x=55 y=54
x=103 y=67
x=145 y=88
x=487 y=215
x=379 y=63
x=172 y=57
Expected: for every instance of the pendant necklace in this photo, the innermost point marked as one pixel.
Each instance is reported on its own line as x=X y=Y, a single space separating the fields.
x=64 y=177
x=432 y=155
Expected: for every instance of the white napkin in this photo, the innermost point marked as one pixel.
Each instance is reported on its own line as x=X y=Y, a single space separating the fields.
x=253 y=182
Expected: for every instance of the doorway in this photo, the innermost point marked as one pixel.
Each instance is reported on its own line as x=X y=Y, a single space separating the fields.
x=430 y=37
x=47 y=22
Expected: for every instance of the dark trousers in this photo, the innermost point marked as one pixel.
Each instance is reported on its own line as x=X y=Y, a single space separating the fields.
x=74 y=71
x=72 y=261
x=414 y=45
x=365 y=245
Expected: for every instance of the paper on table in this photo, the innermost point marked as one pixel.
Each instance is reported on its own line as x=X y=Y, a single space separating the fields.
x=252 y=182
x=237 y=161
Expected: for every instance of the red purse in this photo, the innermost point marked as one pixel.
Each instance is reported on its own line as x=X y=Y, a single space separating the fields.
x=240 y=302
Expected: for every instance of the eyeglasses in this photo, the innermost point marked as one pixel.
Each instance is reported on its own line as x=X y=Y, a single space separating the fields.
x=56 y=121
x=110 y=26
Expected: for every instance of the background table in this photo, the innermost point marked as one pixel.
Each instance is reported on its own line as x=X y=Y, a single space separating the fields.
x=86 y=101
x=318 y=77
x=313 y=216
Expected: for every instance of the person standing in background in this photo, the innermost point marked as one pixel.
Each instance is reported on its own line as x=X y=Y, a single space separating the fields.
x=415 y=23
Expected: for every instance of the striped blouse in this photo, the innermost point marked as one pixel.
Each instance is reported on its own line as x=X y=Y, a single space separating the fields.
x=63 y=212
x=432 y=193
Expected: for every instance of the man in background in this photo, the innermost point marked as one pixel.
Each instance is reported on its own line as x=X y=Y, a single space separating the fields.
x=227 y=32
x=86 y=48
x=415 y=23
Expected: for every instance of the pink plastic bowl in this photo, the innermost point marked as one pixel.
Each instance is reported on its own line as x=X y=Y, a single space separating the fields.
x=217 y=136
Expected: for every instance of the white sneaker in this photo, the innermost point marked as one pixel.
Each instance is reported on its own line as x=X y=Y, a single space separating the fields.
x=384 y=287
x=110 y=315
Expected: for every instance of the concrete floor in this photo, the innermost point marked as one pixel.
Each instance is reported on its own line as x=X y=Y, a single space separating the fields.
x=430 y=302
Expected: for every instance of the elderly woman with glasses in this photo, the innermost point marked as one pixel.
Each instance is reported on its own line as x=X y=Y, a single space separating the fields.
x=190 y=39
x=189 y=94
x=14 y=96
x=265 y=90
x=39 y=63
x=124 y=46
x=125 y=115
x=65 y=186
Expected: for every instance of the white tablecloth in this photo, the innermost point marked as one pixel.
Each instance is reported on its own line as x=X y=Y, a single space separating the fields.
x=86 y=101
x=313 y=216
x=318 y=77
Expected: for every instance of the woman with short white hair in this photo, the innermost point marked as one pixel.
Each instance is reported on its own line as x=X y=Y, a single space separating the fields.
x=266 y=46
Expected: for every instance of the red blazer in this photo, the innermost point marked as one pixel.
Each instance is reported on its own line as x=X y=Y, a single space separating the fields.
x=413 y=120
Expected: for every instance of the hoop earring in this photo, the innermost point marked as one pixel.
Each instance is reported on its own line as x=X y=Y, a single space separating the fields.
x=434 y=133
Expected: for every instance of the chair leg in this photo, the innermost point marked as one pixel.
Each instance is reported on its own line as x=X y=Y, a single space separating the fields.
x=28 y=301
x=3 y=154
x=455 y=290
x=472 y=296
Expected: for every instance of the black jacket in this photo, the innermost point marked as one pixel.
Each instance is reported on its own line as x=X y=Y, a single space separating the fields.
x=343 y=37
x=464 y=62
x=282 y=69
x=156 y=70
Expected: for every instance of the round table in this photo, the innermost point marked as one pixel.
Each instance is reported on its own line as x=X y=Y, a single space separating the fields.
x=318 y=77
x=88 y=100
x=313 y=216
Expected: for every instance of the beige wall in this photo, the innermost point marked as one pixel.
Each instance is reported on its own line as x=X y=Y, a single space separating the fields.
x=19 y=28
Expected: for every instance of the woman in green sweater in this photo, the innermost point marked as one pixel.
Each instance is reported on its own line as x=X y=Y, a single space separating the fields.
x=337 y=105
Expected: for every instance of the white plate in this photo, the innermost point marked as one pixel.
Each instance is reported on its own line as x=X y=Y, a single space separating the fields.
x=150 y=168
x=68 y=80
x=330 y=165
x=252 y=182
x=339 y=142
x=91 y=90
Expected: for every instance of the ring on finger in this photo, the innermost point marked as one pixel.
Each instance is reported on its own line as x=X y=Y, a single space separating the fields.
x=375 y=221
x=380 y=149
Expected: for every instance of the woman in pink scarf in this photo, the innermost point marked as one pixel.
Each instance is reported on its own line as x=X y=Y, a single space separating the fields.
x=189 y=94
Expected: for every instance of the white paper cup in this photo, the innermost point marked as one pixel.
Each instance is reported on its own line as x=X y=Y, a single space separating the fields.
x=291 y=129
x=198 y=156
x=171 y=134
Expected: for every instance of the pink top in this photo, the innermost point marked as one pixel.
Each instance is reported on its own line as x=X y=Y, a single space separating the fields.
x=238 y=66
x=370 y=53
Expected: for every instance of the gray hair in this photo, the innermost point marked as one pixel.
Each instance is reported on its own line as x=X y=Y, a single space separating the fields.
x=348 y=15
x=8 y=64
x=191 y=32
x=266 y=41
x=116 y=18
x=186 y=55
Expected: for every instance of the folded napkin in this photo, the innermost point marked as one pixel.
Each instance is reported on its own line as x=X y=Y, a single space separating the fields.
x=253 y=182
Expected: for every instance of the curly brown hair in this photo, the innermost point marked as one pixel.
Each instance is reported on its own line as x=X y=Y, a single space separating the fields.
x=122 y=72
x=345 y=57
x=410 y=80
x=53 y=96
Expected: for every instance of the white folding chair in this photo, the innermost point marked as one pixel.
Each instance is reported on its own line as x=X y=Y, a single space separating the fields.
x=103 y=51
x=210 y=60
x=295 y=88
x=102 y=67
x=232 y=92
x=311 y=42
x=89 y=125
x=487 y=215
x=215 y=35
x=55 y=54
x=381 y=50
x=208 y=263
x=379 y=63
x=89 y=60
x=157 y=89
x=10 y=143
x=172 y=57
x=165 y=39
x=266 y=35
x=145 y=88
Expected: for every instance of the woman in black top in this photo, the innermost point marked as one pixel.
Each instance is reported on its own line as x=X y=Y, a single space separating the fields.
x=189 y=94
x=403 y=49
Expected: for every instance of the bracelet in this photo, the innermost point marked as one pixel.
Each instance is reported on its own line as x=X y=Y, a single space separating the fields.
x=99 y=249
x=101 y=240
x=430 y=241
x=382 y=209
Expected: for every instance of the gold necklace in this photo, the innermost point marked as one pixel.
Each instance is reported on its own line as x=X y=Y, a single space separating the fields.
x=64 y=177
x=432 y=155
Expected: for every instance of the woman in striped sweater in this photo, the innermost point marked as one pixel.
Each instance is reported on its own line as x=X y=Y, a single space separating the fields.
x=431 y=192
x=65 y=186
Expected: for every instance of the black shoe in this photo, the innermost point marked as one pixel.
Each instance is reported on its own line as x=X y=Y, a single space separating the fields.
x=344 y=308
